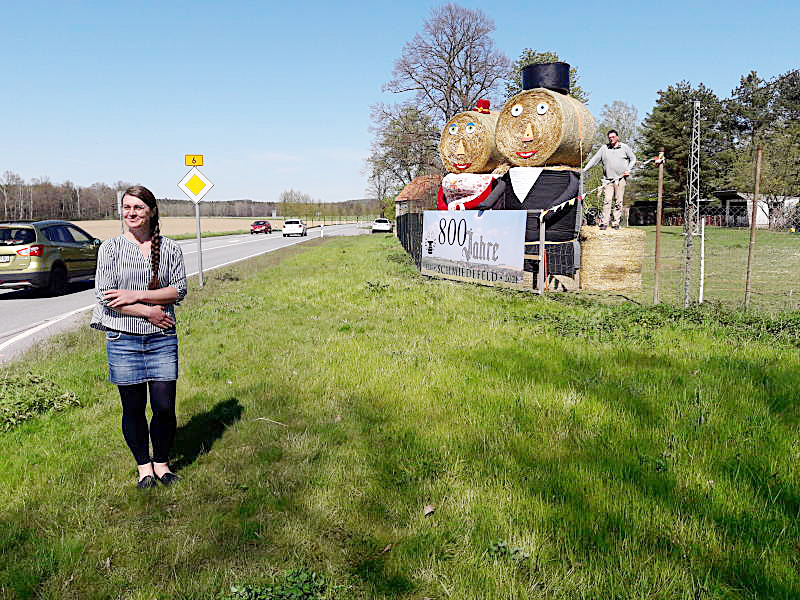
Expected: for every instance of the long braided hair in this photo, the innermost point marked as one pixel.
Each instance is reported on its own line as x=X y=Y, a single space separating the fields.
x=146 y=196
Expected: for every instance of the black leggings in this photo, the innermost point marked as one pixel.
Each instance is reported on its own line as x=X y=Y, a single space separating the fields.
x=134 y=421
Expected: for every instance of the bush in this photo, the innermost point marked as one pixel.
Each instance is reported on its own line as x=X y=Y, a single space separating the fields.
x=25 y=395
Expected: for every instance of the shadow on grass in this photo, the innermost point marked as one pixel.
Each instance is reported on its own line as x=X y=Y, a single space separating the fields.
x=198 y=435
x=600 y=496
x=599 y=486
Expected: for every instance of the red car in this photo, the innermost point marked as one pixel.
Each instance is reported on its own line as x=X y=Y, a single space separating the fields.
x=260 y=227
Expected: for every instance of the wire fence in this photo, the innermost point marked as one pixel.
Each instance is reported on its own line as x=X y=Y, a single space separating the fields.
x=712 y=266
x=713 y=269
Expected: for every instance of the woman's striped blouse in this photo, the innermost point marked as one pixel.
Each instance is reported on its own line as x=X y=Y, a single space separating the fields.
x=122 y=266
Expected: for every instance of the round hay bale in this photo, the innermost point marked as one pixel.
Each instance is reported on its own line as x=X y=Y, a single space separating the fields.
x=538 y=128
x=467 y=143
x=611 y=259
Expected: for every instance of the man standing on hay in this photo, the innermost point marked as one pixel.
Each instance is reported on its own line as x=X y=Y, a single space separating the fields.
x=618 y=160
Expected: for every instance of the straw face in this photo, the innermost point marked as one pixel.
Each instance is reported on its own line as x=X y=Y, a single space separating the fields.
x=611 y=259
x=538 y=127
x=529 y=128
x=467 y=143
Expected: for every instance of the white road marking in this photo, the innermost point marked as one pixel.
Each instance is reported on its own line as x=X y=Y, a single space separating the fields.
x=41 y=326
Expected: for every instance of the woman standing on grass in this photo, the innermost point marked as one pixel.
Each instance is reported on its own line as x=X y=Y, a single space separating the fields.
x=140 y=277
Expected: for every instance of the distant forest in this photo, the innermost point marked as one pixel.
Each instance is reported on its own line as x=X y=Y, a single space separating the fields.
x=41 y=199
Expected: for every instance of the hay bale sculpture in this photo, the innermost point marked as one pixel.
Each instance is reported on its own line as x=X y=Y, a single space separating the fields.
x=468 y=152
x=544 y=134
x=528 y=157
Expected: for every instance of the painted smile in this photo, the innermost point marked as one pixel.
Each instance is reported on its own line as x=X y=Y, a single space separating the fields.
x=526 y=154
x=462 y=166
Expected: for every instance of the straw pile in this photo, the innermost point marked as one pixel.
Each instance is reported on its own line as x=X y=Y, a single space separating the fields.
x=538 y=128
x=611 y=259
x=467 y=143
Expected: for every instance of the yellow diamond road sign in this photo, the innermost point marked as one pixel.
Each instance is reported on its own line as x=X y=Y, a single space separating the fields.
x=195 y=185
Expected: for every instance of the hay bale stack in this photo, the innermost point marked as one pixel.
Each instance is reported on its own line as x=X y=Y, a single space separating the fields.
x=611 y=259
x=467 y=143
x=539 y=127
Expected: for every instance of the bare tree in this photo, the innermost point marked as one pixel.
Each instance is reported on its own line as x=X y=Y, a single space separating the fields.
x=622 y=117
x=293 y=202
x=5 y=188
x=405 y=146
x=381 y=187
x=451 y=64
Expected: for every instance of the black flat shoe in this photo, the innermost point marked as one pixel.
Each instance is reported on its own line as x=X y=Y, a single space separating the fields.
x=148 y=481
x=169 y=478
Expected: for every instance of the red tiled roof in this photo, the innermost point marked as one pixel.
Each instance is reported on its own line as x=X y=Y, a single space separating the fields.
x=420 y=188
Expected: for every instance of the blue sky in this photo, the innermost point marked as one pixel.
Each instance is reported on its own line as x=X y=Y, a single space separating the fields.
x=277 y=95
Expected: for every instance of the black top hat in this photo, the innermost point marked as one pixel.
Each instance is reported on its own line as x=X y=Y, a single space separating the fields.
x=551 y=76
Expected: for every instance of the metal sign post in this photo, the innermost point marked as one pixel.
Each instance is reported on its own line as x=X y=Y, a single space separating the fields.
x=199 y=243
x=196 y=185
x=119 y=211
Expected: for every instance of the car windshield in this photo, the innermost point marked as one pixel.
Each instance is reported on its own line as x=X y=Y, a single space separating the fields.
x=258 y=223
x=13 y=236
x=291 y=222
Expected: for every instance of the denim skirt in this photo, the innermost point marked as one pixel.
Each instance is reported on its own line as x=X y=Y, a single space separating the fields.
x=138 y=358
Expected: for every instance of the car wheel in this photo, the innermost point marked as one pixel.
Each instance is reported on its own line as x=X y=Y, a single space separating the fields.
x=57 y=284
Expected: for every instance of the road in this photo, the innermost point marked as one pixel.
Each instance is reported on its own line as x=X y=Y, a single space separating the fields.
x=29 y=317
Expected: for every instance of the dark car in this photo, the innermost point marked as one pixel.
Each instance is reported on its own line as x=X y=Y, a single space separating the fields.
x=46 y=255
x=260 y=227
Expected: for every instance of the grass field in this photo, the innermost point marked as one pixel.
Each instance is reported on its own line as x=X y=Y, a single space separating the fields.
x=567 y=447
x=776 y=268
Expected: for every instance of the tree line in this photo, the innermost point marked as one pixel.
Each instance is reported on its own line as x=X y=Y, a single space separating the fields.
x=453 y=62
x=41 y=199
x=759 y=112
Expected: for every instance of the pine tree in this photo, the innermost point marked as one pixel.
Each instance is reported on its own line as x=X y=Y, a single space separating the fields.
x=669 y=125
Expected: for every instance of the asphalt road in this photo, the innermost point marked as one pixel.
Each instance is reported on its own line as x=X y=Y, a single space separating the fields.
x=30 y=317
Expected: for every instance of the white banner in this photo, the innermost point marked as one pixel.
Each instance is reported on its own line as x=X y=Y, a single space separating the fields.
x=484 y=247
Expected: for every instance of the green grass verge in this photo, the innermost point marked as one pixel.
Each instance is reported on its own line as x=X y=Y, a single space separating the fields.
x=568 y=448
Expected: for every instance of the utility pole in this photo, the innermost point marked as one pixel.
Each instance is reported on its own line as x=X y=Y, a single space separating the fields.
x=692 y=208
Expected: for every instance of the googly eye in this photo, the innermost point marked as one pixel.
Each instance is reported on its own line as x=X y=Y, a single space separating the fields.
x=453 y=129
x=470 y=128
x=516 y=110
x=542 y=108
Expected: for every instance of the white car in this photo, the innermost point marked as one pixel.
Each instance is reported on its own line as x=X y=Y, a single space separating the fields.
x=294 y=227
x=382 y=225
